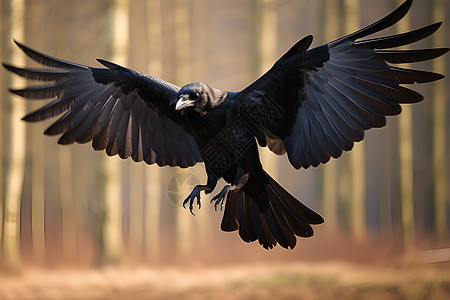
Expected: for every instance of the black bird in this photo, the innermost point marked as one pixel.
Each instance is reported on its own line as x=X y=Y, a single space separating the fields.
x=312 y=104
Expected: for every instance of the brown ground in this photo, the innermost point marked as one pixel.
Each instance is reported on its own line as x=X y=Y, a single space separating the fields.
x=282 y=280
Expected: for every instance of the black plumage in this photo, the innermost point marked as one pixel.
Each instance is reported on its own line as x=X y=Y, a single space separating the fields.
x=311 y=105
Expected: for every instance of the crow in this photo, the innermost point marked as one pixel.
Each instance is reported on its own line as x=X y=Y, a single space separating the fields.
x=311 y=105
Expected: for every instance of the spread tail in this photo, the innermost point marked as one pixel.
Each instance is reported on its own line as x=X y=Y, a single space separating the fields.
x=274 y=216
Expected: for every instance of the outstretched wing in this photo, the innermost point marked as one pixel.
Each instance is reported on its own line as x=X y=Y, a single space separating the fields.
x=315 y=104
x=123 y=111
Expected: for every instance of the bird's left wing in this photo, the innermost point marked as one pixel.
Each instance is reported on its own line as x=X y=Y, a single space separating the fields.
x=123 y=111
x=315 y=104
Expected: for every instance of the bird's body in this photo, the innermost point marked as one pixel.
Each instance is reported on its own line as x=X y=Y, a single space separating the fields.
x=311 y=105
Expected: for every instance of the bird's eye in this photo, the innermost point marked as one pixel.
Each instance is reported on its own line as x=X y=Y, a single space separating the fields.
x=194 y=96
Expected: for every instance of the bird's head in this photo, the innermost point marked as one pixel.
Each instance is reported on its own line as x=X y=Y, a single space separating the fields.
x=199 y=96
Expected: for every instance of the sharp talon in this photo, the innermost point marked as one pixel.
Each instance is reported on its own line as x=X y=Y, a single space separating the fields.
x=193 y=196
x=220 y=198
x=191 y=207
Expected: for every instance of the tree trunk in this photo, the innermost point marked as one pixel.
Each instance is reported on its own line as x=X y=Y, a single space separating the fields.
x=152 y=212
x=152 y=184
x=64 y=179
x=406 y=162
x=14 y=180
x=198 y=58
x=67 y=202
x=329 y=179
x=357 y=156
x=136 y=210
x=182 y=65
x=112 y=226
x=5 y=39
x=264 y=53
x=37 y=154
x=439 y=129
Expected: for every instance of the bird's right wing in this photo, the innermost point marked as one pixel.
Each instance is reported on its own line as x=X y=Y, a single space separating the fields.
x=123 y=111
x=314 y=104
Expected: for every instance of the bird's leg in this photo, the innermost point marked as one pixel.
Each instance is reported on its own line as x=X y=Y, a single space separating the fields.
x=195 y=194
x=239 y=182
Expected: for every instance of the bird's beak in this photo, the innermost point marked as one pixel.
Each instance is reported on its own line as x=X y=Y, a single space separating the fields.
x=184 y=102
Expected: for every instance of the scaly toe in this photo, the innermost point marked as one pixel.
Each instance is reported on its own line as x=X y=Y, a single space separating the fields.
x=191 y=207
x=185 y=202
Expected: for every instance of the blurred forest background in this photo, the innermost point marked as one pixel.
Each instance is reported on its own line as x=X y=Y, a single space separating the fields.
x=72 y=206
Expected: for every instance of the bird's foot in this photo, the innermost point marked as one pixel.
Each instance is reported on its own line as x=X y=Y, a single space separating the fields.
x=195 y=194
x=220 y=197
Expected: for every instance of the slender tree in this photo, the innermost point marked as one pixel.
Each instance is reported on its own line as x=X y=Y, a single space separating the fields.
x=67 y=201
x=4 y=40
x=357 y=156
x=406 y=162
x=199 y=12
x=264 y=53
x=182 y=58
x=86 y=166
x=64 y=154
x=136 y=177
x=136 y=209
x=329 y=179
x=439 y=129
x=112 y=223
x=37 y=152
x=152 y=173
x=14 y=180
x=152 y=212
x=386 y=160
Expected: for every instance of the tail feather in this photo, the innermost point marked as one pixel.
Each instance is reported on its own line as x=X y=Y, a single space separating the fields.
x=246 y=231
x=231 y=213
x=283 y=218
x=252 y=217
x=286 y=236
x=266 y=234
x=297 y=223
x=290 y=202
